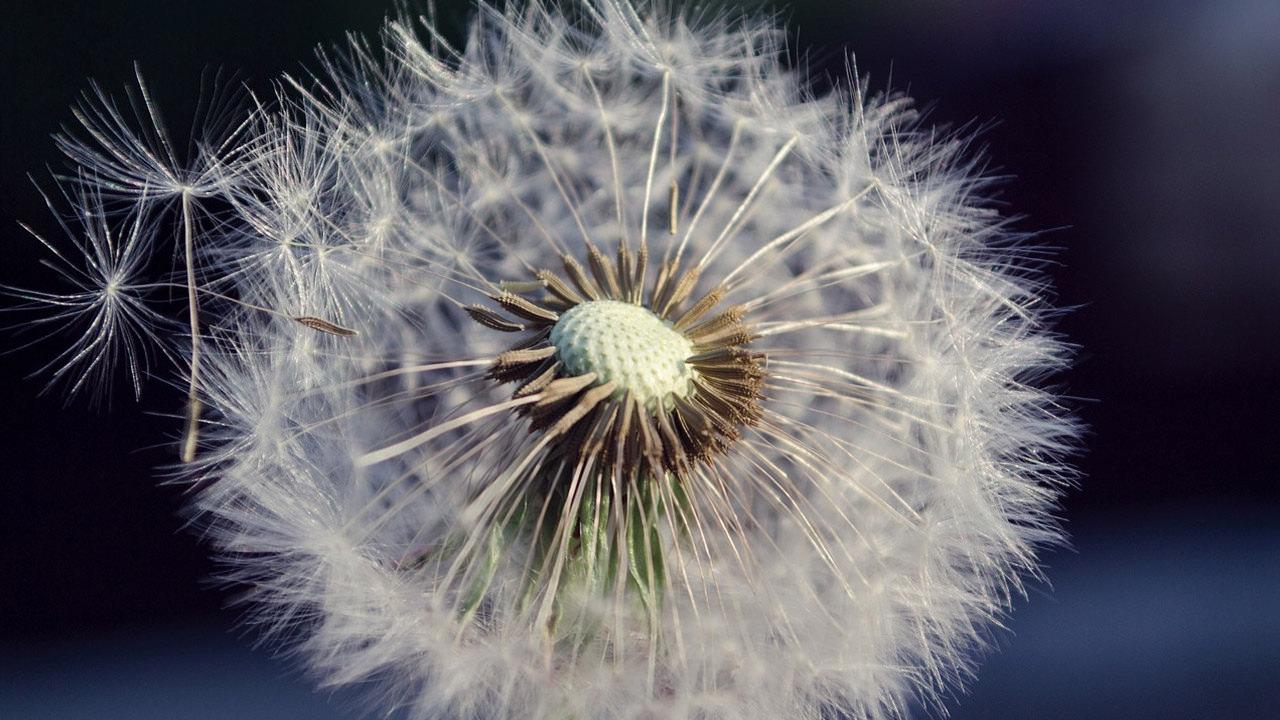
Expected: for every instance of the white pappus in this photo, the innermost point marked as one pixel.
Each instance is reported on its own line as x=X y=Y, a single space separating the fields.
x=591 y=369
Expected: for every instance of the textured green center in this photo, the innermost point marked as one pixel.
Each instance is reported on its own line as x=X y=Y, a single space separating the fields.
x=627 y=344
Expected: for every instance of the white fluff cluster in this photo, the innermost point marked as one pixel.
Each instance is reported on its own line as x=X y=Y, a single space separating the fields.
x=373 y=487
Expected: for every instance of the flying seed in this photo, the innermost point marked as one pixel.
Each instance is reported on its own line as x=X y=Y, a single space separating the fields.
x=325 y=326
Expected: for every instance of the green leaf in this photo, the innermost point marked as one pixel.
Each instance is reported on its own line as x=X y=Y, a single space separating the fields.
x=492 y=556
x=644 y=548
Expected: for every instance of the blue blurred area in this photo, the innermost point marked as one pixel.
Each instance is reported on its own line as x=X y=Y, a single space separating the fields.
x=1172 y=616
x=162 y=673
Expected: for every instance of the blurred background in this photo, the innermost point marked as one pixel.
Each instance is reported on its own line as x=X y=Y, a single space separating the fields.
x=1142 y=137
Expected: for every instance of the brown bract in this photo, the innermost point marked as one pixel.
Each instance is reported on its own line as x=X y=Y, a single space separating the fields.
x=590 y=421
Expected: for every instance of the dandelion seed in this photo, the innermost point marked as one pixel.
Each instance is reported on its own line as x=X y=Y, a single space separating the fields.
x=782 y=460
x=106 y=303
x=325 y=326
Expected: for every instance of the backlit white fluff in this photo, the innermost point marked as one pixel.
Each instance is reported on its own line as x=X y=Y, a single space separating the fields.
x=843 y=558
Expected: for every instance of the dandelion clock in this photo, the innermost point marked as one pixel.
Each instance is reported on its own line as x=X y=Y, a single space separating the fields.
x=589 y=368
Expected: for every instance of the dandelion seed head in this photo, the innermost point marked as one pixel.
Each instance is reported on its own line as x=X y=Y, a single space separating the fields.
x=627 y=345
x=597 y=369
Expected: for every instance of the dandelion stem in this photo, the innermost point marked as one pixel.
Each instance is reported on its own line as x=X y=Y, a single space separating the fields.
x=192 y=434
x=653 y=158
x=618 y=194
x=673 y=197
x=746 y=201
x=403 y=446
x=794 y=234
x=711 y=191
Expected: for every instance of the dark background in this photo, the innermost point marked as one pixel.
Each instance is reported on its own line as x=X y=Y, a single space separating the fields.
x=1144 y=137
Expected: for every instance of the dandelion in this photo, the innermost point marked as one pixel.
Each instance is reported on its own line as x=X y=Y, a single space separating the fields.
x=595 y=369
